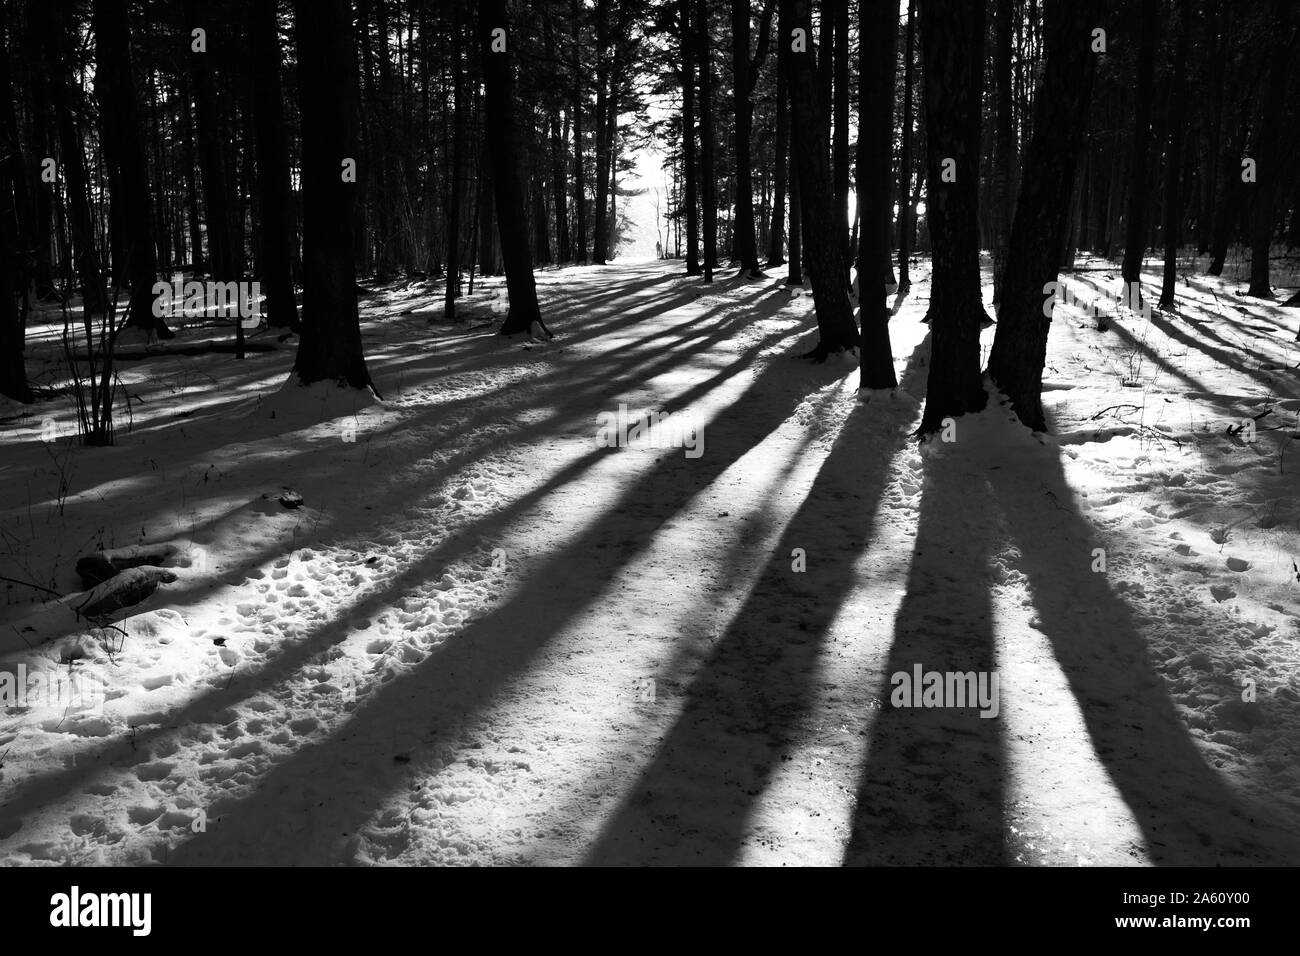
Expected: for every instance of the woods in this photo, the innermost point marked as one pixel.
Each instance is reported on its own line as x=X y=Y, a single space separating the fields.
x=641 y=432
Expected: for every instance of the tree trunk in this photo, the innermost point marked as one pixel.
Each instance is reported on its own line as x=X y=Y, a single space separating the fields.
x=330 y=347
x=906 y=209
x=708 y=179
x=460 y=136
x=1267 y=152
x=745 y=246
x=273 y=185
x=579 y=185
x=124 y=146
x=952 y=53
x=689 y=166
x=217 y=202
x=1135 y=243
x=840 y=138
x=1042 y=211
x=1173 y=204
x=780 y=174
x=1004 y=147
x=512 y=217
x=604 y=79
x=13 y=371
x=877 y=58
x=825 y=244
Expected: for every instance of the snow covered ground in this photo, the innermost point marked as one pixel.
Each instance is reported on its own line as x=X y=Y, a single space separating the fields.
x=484 y=638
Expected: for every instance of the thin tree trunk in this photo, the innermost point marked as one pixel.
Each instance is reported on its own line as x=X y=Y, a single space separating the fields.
x=781 y=168
x=708 y=178
x=877 y=59
x=1173 y=205
x=1135 y=244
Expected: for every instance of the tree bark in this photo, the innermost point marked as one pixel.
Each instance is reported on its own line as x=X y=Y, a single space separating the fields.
x=1042 y=211
x=689 y=166
x=1173 y=203
x=330 y=347
x=1268 y=157
x=781 y=168
x=745 y=246
x=877 y=58
x=273 y=184
x=825 y=248
x=708 y=178
x=1135 y=243
x=512 y=217
x=952 y=54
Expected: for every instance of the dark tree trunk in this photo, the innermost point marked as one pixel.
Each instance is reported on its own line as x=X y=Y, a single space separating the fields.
x=708 y=178
x=273 y=185
x=794 y=275
x=877 y=58
x=13 y=371
x=1042 y=211
x=780 y=171
x=218 y=203
x=604 y=79
x=952 y=53
x=689 y=165
x=579 y=185
x=825 y=246
x=1135 y=244
x=330 y=347
x=745 y=246
x=460 y=136
x=840 y=137
x=1004 y=147
x=124 y=145
x=1267 y=152
x=512 y=217
x=558 y=191
x=1173 y=203
x=80 y=225
x=906 y=210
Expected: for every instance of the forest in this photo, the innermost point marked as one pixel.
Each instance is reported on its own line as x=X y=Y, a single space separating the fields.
x=663 y=432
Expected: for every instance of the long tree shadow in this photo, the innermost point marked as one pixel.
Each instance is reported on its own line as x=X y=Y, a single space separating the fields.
x=1187 y=813
x=693 y=803
x=932 y=787
x=478 y=664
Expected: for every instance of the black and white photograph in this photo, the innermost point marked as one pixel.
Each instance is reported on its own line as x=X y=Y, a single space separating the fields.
x=651 y=433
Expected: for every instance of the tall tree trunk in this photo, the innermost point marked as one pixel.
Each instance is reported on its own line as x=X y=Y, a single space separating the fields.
x=745 y=246
x=781 y=168
x=604 y=79
x=13 y=371
x=906 y=210
x=330 y=347
x=840 y=136
x=1268 y=141
x=558 y=191
x=877 y=59
x=55 y=29
x=579 y=184
x=218 y=202
x=512 y=217
x=689 y=165
x=794 y=275
x=1042 y=211
x=1173 y=204
x=1004 y=147
x=1135 y=244
x=952 y=53
x=708 y=176
x=460 y=136
x=275 y=250
x=816 y=193
x=124 y=143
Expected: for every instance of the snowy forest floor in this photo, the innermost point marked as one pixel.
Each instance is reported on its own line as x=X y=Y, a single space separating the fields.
x=485 y=639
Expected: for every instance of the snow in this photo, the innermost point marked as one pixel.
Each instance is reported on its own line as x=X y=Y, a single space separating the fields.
x=483 y=638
